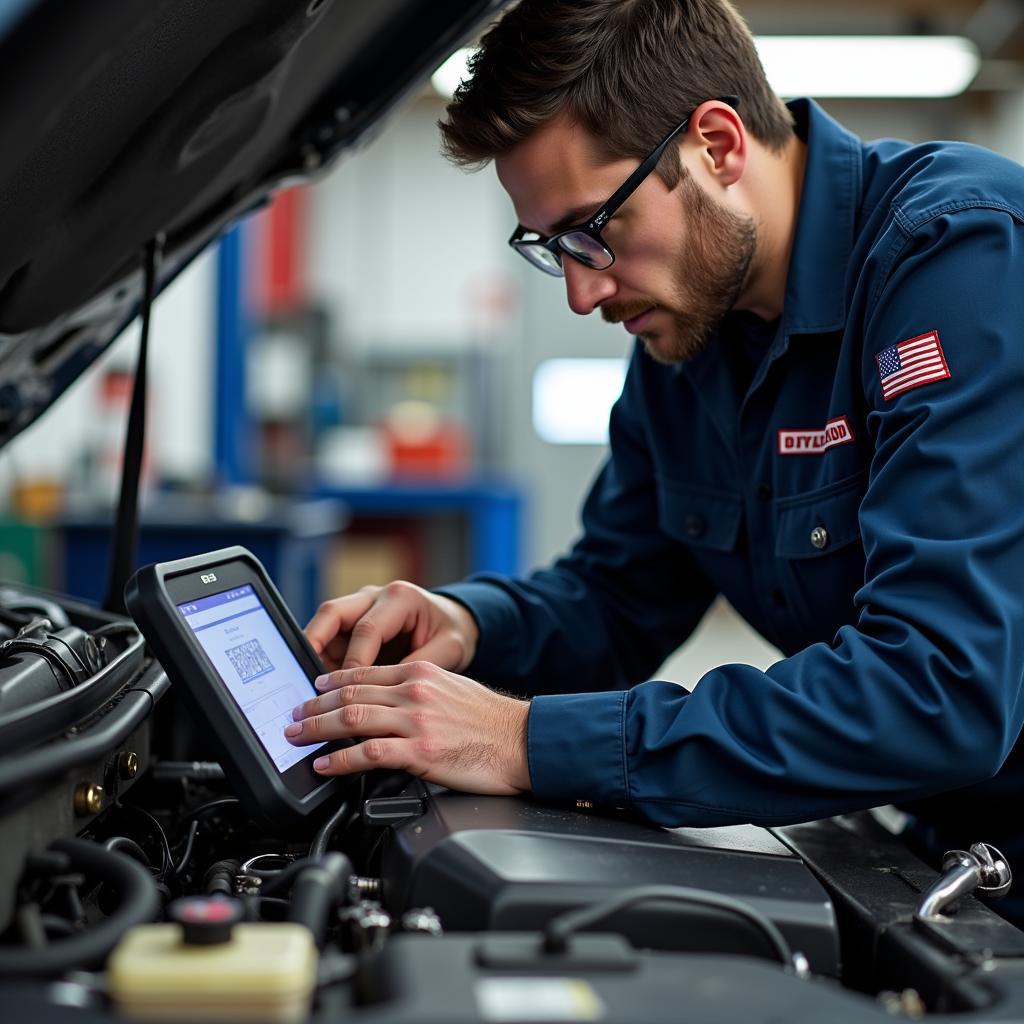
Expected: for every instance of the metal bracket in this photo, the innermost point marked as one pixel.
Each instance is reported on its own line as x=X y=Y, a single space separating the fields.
x=983 y=870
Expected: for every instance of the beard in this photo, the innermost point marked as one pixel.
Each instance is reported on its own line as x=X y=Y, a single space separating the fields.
x=711 y=269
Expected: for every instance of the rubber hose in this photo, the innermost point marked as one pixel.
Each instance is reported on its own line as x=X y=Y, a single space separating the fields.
x=88 y=950
x=318 y=887
x=327 y=830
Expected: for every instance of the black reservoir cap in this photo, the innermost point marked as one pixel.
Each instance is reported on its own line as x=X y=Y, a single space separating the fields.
x=206 y=921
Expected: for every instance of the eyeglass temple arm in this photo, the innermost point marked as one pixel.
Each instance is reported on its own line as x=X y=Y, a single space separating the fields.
x=629 y=186
x=626 y=189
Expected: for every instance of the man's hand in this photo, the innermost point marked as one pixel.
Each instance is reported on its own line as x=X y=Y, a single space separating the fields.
x=349 y=632
x=422 y=719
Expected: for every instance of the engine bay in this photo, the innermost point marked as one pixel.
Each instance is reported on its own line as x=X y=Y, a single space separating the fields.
x=135 y=881
x=134 y=885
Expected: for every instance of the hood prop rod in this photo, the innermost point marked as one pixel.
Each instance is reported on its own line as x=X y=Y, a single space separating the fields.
x=124 y=543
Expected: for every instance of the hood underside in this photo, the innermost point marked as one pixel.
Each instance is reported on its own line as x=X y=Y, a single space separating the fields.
x=126 y=120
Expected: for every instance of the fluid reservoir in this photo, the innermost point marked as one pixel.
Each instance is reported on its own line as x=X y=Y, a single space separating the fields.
x=208 y=967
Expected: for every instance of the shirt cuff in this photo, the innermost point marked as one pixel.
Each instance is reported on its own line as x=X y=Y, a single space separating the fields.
x=576 y=748
x=497 y=620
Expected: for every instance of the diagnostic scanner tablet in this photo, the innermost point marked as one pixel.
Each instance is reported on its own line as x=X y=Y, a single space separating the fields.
x=228 y=643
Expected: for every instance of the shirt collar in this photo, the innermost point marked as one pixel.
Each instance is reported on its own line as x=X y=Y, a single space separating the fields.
x=816 y=284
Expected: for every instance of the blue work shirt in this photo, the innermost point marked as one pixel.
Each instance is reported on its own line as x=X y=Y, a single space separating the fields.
x=859 y=501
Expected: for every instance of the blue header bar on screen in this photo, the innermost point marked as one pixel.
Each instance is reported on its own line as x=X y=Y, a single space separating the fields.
x=204 y=603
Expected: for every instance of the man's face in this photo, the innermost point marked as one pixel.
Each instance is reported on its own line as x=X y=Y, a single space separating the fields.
x=681 y=259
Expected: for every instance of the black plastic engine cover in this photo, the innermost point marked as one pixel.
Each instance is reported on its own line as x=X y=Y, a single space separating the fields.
x=505 y=864
x=413 y=980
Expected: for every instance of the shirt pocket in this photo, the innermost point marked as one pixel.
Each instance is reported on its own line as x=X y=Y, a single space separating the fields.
x=700 y=517
x=834 y=509
x=819 y=553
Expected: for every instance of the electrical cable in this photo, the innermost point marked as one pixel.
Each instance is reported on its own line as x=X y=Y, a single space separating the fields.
x=166 y=858
x=139 y=903
x=326 y=831
x=192 y=818
x=560 y=928
x=122 y=844
x=357 y=806
x=189 y=843
x=116 y=629
x=222 y=801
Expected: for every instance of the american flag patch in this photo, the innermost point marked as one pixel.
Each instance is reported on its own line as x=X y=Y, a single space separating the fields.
x=911 y=364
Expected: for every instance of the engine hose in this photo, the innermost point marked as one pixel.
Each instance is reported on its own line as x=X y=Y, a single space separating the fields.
x=122 y=844
x=138 y=904
x=317 y=888
x=220 y=878
x=327 y=830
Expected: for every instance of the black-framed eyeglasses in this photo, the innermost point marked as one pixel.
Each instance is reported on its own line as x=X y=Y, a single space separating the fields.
x=583 y=242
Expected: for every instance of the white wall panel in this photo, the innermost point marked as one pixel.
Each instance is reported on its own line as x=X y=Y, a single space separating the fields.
x=402 y=243
x=180 y=390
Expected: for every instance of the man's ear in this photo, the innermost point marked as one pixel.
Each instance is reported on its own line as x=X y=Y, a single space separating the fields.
x=721 y=140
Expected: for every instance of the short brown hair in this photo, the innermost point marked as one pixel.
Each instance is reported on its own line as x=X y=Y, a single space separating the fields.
x=627 y=71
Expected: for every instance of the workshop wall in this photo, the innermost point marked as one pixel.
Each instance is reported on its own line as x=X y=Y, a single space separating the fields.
x=402 y=245
x=63 y=445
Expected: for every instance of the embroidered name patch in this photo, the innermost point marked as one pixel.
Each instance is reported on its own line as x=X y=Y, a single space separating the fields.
x=815 y=442
x=910 y=364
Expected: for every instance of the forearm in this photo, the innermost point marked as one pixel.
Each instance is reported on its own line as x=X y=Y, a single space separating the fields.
x=812 y=737
x=561 y=630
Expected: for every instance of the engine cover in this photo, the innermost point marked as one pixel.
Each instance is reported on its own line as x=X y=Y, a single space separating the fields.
x=506 y=864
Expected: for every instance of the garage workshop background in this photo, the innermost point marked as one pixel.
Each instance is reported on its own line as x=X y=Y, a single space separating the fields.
x=371 y=340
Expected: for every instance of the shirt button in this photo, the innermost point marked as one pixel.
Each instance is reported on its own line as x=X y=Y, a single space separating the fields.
x=778 y=599
x=819 y=537
x=763 y=491
x=695 y=526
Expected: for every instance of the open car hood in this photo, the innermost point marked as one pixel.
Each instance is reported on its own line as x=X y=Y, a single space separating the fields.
x=123 y=120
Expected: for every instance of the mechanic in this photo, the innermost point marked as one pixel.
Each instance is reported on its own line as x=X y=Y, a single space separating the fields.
x=821 y=421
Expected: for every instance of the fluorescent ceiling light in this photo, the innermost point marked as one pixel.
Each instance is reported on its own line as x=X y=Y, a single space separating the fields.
x=572 y=399
x=833 y=66
x=868 y=66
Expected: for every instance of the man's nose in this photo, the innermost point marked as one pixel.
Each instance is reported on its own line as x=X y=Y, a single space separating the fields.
x=585 y=287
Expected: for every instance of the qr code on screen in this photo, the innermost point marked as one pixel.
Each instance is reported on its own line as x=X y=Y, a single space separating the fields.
x=250 y=660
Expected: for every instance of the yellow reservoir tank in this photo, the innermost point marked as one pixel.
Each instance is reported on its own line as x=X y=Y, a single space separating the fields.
x=265 y=974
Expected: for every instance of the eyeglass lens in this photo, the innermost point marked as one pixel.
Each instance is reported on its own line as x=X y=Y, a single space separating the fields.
x=587 y=249
x=578 y=244
x=543 y=258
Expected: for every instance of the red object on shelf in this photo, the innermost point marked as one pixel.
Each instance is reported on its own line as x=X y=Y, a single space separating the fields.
x=444 y=454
